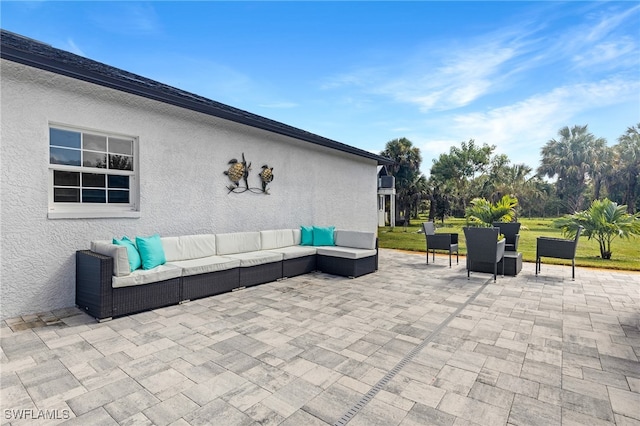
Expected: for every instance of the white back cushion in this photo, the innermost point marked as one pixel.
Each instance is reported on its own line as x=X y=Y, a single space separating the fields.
x=276 y=238
x=297 y=236
x=355 y=239
x=119 y=254
x=188 y=247
x=238 y=242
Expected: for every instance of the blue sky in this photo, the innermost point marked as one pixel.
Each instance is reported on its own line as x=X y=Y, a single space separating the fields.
x=510 y=74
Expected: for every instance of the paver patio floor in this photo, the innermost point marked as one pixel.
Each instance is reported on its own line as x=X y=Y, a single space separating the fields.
x=412 y=344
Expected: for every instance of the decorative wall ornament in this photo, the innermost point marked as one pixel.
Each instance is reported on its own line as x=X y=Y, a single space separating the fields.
x=266 y=176
x=239 y=170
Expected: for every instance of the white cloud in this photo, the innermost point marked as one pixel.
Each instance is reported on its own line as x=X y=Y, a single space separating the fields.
x=608 y=23
x=611 y=54
x=520 y=130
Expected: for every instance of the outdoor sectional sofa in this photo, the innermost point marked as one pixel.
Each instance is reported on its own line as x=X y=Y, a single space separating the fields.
x=209 y=264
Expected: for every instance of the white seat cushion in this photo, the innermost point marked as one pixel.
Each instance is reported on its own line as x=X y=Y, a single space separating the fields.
x=345 y=252
x=141 y=276
x=205 y=265
x=187 y=247
x=254 y=258
x=294 y=252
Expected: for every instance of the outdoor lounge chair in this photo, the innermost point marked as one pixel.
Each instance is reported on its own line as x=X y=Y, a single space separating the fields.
x=444 y=241
x=483 y=247
x=510 y=230
x=558 y=248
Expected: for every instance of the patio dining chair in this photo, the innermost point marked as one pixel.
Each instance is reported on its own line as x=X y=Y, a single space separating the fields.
x=440 y=241
x=483 y=247
x=511 y=232
x=558 y=248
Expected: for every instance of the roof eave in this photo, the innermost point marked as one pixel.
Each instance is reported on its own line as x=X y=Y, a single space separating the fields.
x=236 y=115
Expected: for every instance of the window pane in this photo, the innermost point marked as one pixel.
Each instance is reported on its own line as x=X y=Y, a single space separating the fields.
x=66 y=195
x=66 y=178
x=121 y=146
x=118 y=181
x=93 y=180
x=94 y=159
x=68 y=157
x=120 y=162
x=94 y=142
x=66 y=138
x=94 y=196
x=119 y=197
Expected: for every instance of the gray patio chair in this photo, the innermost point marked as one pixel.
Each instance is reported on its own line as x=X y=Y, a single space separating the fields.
x=511 y=232
x=440 y=241
x=483 y=246
x=558 y=248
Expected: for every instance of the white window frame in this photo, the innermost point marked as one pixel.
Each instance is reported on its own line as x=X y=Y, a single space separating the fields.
x=59 y=210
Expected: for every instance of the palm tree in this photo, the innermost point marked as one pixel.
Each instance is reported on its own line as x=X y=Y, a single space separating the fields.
x=603 y=221
x=406 y=169
x=483 y=213
x=624 y=179
x=572 y=159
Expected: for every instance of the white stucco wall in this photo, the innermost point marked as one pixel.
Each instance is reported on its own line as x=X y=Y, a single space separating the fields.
x=182 y=157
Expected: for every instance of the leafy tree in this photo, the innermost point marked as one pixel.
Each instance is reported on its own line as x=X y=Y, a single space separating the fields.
x=623 y=180
x=406 y=170
x=440 y=206
x=483 y=213
x=573 y=160
x=457 y=170
x=603 y=221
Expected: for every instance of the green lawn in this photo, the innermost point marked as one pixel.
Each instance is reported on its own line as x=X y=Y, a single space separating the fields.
x=626 y=253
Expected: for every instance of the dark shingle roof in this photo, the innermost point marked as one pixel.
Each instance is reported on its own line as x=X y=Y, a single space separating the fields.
x=17 y=48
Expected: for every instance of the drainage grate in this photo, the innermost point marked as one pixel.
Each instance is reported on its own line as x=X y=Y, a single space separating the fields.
x=351 y=413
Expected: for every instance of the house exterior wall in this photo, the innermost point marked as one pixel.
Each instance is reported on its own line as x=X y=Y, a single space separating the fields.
x=182 y=157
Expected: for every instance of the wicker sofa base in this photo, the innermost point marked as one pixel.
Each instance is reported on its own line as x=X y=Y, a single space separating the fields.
x=211 y=284
x=260 y=274
x=347 y=267
x=298 y=266
x=130 y=300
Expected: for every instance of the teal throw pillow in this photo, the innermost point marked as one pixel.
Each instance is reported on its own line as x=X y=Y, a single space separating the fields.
x=306 y=236
x=132 y=252
x=323 y=236
x=151 y=251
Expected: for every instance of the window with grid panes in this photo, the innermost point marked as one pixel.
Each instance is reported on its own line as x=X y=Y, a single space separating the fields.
x=93 y=174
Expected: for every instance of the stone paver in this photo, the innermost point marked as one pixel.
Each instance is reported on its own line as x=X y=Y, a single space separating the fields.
x=412 y=344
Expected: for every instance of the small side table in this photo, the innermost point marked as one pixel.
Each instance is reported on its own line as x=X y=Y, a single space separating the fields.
x=512 y=263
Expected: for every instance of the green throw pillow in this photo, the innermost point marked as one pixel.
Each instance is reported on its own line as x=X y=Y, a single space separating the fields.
x=132 y=252
x=306 y=236
x=323 y=236
x=151 y=251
